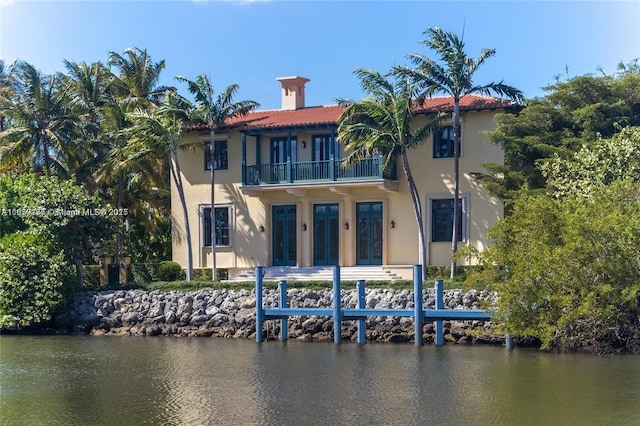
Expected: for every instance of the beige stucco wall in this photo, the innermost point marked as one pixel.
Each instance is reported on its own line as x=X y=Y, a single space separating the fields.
x=250 y=247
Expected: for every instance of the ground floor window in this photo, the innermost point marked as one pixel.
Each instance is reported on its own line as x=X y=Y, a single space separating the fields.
x=222 y=221
x=442 y=219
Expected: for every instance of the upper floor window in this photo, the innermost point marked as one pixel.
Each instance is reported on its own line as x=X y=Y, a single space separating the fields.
x=221 y=153
x=443 y=142
x=222 y=220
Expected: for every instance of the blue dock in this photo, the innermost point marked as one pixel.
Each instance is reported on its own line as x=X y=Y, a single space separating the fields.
x=360 y=313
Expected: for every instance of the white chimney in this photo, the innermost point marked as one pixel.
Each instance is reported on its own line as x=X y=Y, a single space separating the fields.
x=292 y=92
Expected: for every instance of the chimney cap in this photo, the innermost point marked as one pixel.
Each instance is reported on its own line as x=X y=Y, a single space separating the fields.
x=293 y=78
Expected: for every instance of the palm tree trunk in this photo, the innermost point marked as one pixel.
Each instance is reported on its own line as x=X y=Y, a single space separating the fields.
x=417 y=209
x=79 y=271
x=119 y=237
x=214 y=275
x=177 y=179
x=456 y=176
x=45 y=153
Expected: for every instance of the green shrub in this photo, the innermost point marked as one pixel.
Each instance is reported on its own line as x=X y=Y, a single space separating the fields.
x=144 y=273
x=204 y=274
x=567 y=269
x=170 y=271
x=35 y=281
x=91 y=279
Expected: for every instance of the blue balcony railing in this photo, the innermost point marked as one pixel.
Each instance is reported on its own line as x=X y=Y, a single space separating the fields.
x=315 y=171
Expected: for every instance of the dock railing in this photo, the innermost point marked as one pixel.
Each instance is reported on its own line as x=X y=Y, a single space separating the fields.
x=360 y=313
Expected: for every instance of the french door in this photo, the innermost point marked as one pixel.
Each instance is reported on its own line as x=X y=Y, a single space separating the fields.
x=284 y=240
x=326 y=230
x=369 y=233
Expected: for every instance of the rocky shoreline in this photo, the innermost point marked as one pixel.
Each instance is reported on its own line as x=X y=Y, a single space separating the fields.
x=231 y=314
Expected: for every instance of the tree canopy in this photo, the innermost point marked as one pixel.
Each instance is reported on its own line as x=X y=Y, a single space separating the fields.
x=574 y=113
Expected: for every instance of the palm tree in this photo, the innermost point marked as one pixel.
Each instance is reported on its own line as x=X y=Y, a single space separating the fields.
x=381 y=124
x=452 y=75
x=159 y=133
x=214 y=112
x=87 y=93
x=139 y=75
x=134 y=88
x=41 y=127
x=7 y=90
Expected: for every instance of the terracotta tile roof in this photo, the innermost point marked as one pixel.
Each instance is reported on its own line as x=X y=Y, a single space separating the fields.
x=288 y=118
x=328 y=115
x=467 y=103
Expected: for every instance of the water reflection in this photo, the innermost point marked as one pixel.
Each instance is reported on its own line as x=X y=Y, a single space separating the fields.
x=70 y=380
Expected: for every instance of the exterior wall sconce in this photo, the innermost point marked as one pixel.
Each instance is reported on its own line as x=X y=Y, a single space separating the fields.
x=393 y=224
x=304 y=226
x=304 y=144
x=261 y=228
x=346 y=226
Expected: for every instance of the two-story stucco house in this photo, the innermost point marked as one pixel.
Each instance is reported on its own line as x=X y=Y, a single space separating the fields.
x=283 y=198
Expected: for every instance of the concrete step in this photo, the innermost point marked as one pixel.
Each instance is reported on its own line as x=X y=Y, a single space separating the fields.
x=315 y=273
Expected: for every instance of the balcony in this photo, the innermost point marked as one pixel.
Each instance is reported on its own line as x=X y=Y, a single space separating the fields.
x=314 y=173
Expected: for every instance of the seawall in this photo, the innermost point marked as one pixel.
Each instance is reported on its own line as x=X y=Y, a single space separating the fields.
x=231 y=314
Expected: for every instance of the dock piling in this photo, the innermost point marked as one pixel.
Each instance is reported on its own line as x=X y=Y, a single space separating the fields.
x=361 y=312
x=418 y=316
x=362 y=323
x=259 y=305
x=337 y=306
x=439 y=289
x=284 y=326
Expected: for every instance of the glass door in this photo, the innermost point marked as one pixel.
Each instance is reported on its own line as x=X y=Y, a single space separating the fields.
x=369 y=233
x=326 y=229
x=284 y=235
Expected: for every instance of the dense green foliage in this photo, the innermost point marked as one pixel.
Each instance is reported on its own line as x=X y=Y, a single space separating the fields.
x=58 y=210
x=566 y=259
x=62 y=210
x=73 y=125
x=35 y=280
x=47 y=226
x=568 y=270
x=574 y=113
x=596 y=165
x=91 y=277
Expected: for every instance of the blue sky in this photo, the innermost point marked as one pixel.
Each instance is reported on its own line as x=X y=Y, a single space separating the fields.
x=253 y=42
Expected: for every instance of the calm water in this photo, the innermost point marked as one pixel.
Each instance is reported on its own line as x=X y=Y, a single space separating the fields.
x=85 y=380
